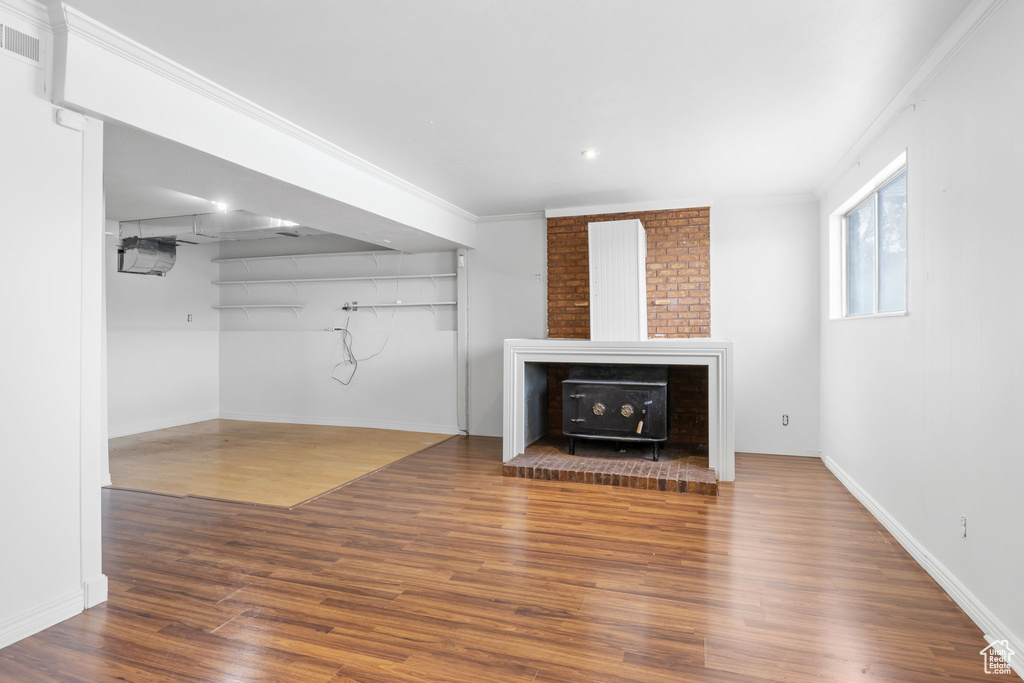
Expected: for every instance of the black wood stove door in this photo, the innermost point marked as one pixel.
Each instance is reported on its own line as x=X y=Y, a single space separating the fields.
x=627 y=411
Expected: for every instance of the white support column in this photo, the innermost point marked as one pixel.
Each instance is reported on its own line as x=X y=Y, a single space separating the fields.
x=93 y=435
x=462 y=339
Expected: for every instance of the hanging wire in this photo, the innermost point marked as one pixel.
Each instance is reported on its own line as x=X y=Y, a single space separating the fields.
x=348 y=356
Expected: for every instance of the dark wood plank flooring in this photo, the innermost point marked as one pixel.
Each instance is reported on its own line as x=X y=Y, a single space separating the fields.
x=440 y=569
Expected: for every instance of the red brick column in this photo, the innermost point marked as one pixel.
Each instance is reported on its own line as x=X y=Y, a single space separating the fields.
x=678 y=273
x=678 y=301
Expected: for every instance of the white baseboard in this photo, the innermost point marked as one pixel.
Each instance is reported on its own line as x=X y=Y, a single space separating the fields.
x=802 y=453
x=39 y=618
x=128 y=430
x=991 y=626
x=95 y=591
x=331 y=422
x=115 y=431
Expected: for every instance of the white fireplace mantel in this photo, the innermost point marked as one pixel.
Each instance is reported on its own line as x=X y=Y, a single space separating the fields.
x=716 y=354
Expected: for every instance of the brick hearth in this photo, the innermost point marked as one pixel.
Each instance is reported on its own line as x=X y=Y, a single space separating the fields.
x=597 y=462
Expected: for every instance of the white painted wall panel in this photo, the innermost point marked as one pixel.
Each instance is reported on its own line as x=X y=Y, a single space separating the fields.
x=507 y=300
x=764 y=297
x=276 y=365
x=618 y=281
x=41 y=269
x=161 y=378
x=285 y=377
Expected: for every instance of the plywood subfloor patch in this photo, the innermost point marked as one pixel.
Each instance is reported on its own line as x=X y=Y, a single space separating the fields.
x=256 y=462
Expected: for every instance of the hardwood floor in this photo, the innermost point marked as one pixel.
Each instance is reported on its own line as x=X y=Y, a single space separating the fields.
x=265 y=463
x=440 y=569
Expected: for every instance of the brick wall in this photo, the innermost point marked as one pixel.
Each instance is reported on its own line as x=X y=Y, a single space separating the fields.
x=678 y=273
x=678 y=302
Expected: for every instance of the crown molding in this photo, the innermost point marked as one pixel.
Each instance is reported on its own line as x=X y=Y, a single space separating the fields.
x=628 y=207
x=28 y=11
x=961 y=31
x=80 y=25
x=507 y=217
x=692 y=202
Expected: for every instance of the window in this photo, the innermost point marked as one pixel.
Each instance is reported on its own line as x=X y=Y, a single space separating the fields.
x=874 y=240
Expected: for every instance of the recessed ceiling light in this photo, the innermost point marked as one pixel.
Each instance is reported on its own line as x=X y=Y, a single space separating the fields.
x=221 y=206
x=590 y=153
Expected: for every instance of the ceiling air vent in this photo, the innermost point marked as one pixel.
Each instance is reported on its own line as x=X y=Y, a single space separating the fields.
x=146 y=256
x=20 y=45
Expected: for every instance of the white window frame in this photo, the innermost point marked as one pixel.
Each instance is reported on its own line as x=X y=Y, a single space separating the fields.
x=839 y=264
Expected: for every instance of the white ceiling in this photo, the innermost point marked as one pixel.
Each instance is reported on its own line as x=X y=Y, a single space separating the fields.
x=488 y=103
x=146 y=176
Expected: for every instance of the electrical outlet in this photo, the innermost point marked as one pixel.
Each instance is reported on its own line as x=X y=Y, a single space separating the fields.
x=190 y=317
x=785 y=420
x=963 y=526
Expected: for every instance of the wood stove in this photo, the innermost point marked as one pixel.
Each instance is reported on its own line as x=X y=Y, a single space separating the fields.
x=623 y=403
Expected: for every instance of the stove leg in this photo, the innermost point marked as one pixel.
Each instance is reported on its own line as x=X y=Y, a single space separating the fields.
x=656 y=454
x=572 y=446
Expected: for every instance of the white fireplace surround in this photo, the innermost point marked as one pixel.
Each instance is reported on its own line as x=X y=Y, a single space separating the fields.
x=716 y=354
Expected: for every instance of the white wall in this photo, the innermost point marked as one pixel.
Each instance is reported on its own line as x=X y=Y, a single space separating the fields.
x=48 y=492
x=922 y=412
x=507 y=300
x=275 y=365
x=764 y=297
x=162 y=370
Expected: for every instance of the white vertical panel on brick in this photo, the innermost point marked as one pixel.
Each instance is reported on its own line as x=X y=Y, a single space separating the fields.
x=618 y=281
